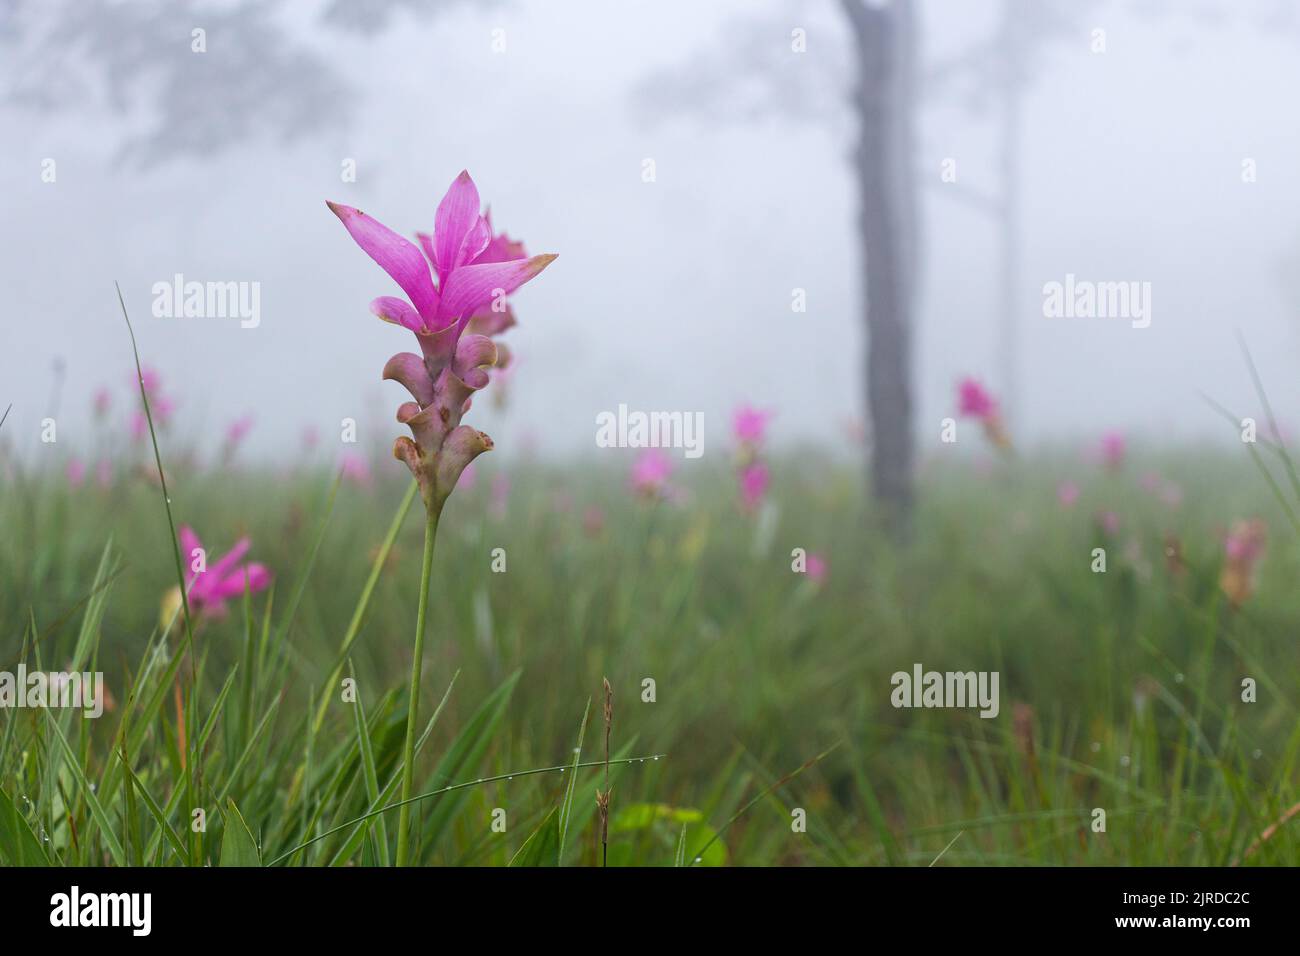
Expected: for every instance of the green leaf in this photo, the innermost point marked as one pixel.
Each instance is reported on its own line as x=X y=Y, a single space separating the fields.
x=238 y=848
x=96 y=808
x=542 y=848
x=18 y=844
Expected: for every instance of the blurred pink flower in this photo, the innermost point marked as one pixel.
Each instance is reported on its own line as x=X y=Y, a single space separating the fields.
x=974 y=400
x=650 y=473
x=500 y=494
x=754 y=481
x=1243 y=546
x=310 y=437
x=238 y=430
x=815 y=568
x=210 y=588
x=593 y=521
x=1067 y=493
x=1112 y=449
x=1109 y=522
x=749 y=425
x=104 y=472
x=355 y=468
x=103 y=400
x=76 y=472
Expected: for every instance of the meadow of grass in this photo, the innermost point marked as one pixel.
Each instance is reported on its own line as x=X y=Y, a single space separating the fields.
x=1119 y=690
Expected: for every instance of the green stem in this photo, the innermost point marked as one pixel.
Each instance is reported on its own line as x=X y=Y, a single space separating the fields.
x=413 y=697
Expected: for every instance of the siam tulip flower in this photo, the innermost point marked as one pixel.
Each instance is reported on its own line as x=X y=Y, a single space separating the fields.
x=238 y=430
x=218 y=581
x=355 y=469
x=1242 y=548
x=468 y=478
x=650 y=473
x=475 y=271
x=453 y=321
x=749 y=425
x=76 y=472
x=500 y=494
x=754 y=480
x=1112 y=449
x=815 y=567
x=975 y=401
x=1067 y=493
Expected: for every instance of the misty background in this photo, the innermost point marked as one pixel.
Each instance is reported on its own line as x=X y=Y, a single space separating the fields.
x=667 y=295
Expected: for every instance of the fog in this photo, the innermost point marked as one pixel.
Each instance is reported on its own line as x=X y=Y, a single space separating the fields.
x=673 y=294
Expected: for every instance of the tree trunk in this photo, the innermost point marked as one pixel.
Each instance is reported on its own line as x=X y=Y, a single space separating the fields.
x=887 y=226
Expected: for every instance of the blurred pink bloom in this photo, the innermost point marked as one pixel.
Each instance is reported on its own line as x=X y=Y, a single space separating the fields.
x=500 y=494
x=1242 y=548
x=104 y=472
x=355 y=468
x=76 y=472
x=749 y=425
x=103 y=401
x=211 y=588
x=1112 y=449
x=310 y=437
x=238 y=430
x=754 y=481
x=593 y=521
x=1109 y=522
x=650 y=473
x=974 y=400
x=1067 y=493
x=1171 y=494
x=816 y=568
x=468 y=478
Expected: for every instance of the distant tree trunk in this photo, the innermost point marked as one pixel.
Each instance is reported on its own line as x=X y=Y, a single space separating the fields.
x=887 y=224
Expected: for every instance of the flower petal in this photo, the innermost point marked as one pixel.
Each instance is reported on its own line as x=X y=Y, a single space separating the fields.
x=218 y=571
x=408 y=368
x=398 y=311
x=189 y=542
x=397 y=256
x=472 y=287
x=457 y=214
x=255 y=576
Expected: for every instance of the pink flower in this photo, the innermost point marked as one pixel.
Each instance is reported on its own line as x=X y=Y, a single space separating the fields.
x=475 y=271
x=749 y=425
x=500 y=494
x=1112 y=449
x=754 y=481
x=104 y=472
x=468 y=478
x=1067 y=493
x=238 y=431
x=103 y=401
x=815 y=568
x=974 y=400
x=76 y=472
x=593 y=521
x=210 y=587
x=1242 y=548
x=650 y=473
x=1109 y=522
x=355 y=469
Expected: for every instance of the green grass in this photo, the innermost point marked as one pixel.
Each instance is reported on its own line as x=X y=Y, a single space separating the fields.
x=1118 y=690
